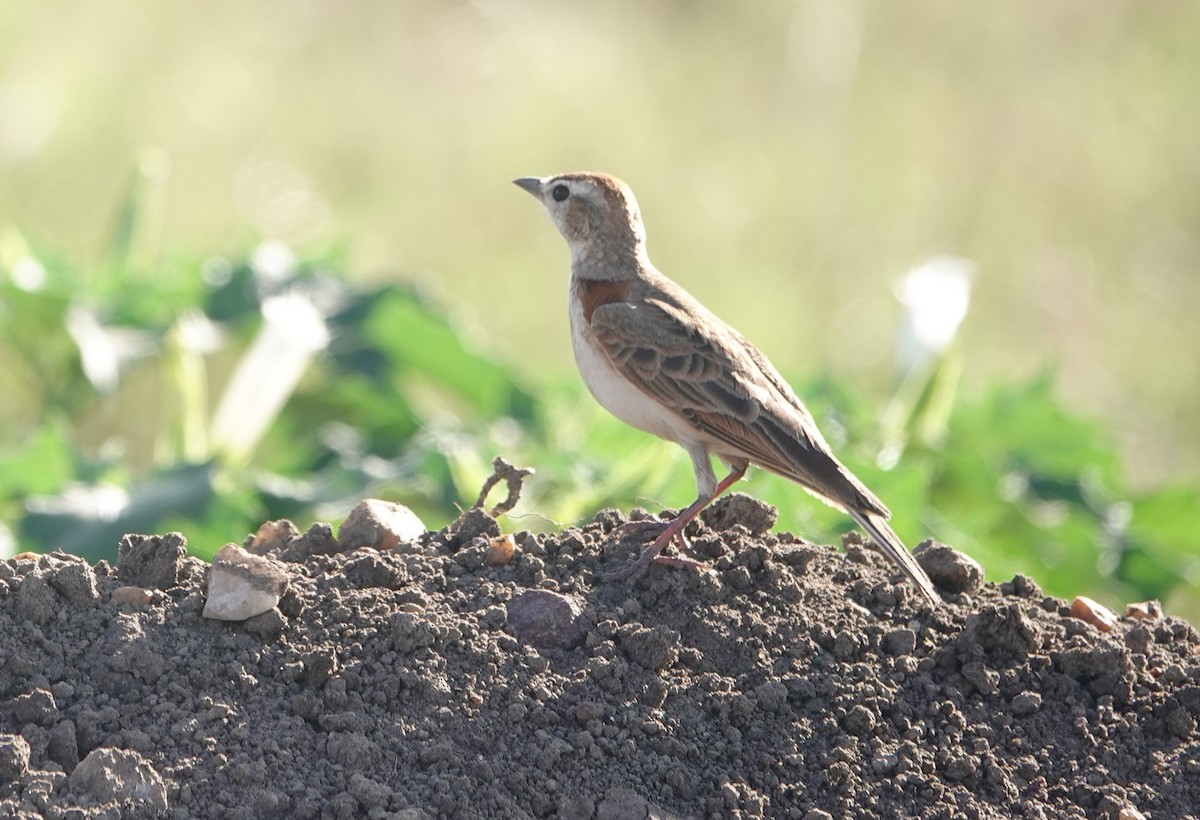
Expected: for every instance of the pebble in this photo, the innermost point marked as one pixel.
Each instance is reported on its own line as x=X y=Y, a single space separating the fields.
x=242 y=585
x=948 y=568
x=132 y=596
x=1096 y=614
x=499 y=551
x=380 y=525
x=1144 y=611
x=546 y=619
x=272 y=536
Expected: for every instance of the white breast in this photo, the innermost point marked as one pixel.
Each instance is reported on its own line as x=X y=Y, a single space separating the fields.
x=615 y=393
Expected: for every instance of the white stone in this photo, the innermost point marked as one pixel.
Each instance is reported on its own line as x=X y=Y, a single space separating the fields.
x=242 y=585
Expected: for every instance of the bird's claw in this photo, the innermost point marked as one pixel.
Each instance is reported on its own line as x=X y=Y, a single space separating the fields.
x=651 y=555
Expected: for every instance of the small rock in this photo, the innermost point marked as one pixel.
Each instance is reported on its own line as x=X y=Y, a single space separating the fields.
x=272 y=536
x=379 y=525
x=1096 y=614
x=242 y=585
x=132 y=596
x=546 y=619
x=884 y=763
x=499 y=551
x=855 y=547
x=1144 y=611
x=151 y=560
x=948 y=568
x=1130 y=813
x=553 y=752
x=738 y=508
x=122 y=776
x=14 y=758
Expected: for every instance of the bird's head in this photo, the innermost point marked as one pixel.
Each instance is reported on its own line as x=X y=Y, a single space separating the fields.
x=596 y=213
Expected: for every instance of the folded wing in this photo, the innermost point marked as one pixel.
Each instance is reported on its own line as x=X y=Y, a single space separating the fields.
x=727 y=390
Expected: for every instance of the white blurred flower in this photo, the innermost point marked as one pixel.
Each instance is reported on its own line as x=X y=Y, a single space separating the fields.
x=99 y=502
x=28 y=274
x=105 y=350
x=8 y=544
x=273 y=261
x=293 y=332
x=198 y=333
x=97 y=353
x=935 y=295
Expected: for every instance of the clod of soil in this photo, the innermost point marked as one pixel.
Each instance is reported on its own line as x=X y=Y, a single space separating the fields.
x=790 y=680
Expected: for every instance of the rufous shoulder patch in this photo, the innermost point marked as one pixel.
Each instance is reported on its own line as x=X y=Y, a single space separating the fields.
x=593 y=293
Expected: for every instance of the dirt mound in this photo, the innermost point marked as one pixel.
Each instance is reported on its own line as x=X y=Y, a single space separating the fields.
x=792 y=680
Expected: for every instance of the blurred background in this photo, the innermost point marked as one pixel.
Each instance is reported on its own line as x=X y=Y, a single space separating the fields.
x=812 y=151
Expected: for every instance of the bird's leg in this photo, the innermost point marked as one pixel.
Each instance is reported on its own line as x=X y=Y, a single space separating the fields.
x=645 y=528
x=675 y=528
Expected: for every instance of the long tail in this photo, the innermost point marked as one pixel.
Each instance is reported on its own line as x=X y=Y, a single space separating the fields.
x=894 y=548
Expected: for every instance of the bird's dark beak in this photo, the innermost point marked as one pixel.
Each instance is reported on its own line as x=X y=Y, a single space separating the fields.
x=531 y=184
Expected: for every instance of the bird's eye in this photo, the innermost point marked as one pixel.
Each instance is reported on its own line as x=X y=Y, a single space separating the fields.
x=560 y=193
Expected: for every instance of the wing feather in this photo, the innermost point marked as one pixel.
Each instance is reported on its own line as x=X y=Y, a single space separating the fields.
x=727 y=391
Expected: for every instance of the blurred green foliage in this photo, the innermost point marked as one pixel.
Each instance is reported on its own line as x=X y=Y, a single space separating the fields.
x=812 y=149
x=401 y=405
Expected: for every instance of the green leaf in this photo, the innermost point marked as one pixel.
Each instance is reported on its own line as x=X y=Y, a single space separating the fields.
x=40 y=464
x=418 y=340
x=1163 y=542
x=89 y=520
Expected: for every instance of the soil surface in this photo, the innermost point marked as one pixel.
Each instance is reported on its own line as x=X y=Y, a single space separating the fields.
x=789 y=680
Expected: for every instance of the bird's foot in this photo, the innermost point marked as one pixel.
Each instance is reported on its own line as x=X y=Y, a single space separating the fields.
x=667 y=531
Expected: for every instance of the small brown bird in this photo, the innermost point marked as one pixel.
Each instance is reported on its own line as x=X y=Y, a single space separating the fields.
x=660 y=361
